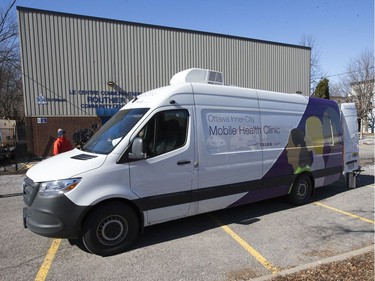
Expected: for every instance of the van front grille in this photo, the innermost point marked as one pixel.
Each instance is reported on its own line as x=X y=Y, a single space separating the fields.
x=29 y=191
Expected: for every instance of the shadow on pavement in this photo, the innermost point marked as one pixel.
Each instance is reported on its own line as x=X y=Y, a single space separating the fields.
x=244 y=215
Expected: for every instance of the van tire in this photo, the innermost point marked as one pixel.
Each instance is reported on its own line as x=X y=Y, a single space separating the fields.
x=301 y=190
x=110 y=229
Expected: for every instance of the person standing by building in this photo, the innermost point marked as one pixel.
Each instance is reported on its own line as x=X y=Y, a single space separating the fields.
x=61 y=144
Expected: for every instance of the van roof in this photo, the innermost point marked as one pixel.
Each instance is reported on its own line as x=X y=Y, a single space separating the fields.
x=203 y=81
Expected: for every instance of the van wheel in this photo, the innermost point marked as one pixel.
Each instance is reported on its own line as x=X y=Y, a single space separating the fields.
x=301 y=190
x=110 y=229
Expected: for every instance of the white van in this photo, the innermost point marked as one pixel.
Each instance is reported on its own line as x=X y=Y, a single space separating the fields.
x=192 y=147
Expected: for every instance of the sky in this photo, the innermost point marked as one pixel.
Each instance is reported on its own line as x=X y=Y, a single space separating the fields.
x=341 y=29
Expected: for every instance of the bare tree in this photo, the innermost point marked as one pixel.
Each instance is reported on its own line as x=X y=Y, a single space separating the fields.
x=358 y=82
x=316 y=73
x=11 y=99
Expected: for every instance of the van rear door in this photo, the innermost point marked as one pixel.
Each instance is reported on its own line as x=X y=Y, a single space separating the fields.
x=350 y=133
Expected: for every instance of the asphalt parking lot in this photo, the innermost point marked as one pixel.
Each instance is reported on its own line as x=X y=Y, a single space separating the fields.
x=243 y=243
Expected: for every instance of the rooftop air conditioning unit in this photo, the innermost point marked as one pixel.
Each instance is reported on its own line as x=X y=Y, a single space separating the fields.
x=198 y=75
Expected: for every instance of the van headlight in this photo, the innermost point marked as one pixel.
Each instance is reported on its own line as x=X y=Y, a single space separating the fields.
x=58 y=186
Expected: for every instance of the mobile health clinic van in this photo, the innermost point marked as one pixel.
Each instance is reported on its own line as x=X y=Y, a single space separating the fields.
x=192 y=147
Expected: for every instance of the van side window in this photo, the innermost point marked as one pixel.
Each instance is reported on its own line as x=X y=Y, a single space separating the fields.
x=166 y=131
x=328 y=130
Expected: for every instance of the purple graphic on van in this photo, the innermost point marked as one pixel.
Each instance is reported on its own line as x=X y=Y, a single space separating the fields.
x=313 y=147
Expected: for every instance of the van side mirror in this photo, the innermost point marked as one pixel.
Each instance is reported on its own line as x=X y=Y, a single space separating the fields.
x=137 y=151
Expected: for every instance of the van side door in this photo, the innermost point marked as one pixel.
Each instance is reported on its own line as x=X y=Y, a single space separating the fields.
x=230 y=156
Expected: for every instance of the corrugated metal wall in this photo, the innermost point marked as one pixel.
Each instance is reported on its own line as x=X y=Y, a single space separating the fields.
x=68 y=60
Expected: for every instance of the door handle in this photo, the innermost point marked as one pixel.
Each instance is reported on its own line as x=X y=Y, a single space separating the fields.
x=183 y=162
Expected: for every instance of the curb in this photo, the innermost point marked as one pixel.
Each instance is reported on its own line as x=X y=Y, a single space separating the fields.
x=316 y=263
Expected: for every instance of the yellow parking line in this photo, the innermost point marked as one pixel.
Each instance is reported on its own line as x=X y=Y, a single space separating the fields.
x=43 y=270
x=28 y=166
x=246 y=246
x=343 y=212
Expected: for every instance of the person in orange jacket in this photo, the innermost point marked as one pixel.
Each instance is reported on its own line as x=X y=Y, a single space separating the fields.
x=61 y=144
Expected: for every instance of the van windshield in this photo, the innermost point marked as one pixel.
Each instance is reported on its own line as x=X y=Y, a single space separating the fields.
x=113 y=131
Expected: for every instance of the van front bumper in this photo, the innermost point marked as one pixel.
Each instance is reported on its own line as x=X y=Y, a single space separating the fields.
x=57 y=218
x=52 y=216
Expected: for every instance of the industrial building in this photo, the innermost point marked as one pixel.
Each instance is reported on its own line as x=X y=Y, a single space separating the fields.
x=79 y=70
